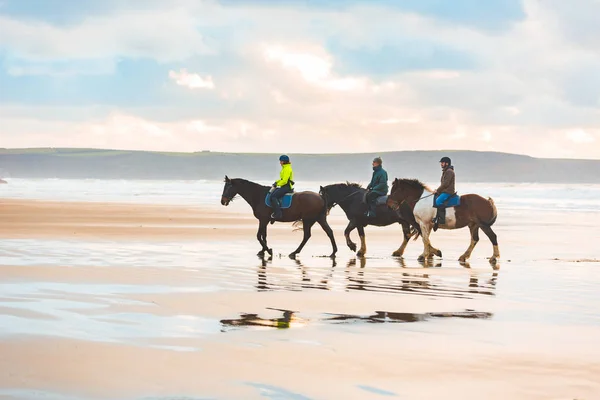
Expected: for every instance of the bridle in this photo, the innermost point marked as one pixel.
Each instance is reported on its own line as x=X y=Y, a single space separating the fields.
x=335 y=203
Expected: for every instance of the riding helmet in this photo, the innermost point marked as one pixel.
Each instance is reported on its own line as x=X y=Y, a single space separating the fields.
x=284 y=158
x=446 y=160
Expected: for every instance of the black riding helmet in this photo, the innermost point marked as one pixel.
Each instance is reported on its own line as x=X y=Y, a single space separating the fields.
x=446 y=160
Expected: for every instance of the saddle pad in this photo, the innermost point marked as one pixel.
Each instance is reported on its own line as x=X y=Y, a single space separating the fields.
x=381 y=200
x=286 y=200
x=453 y=201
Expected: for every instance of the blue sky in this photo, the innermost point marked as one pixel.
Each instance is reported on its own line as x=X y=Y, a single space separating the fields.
x=232 y=75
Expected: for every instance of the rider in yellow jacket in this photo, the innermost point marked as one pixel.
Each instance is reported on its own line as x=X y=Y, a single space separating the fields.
x=284 y=185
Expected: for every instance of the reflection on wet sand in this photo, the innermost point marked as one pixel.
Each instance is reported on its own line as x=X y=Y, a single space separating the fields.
x=356 y=279
x=289 y=318
x=416 y=283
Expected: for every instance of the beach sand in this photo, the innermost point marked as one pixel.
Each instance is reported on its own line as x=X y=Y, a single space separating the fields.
x=128 y=301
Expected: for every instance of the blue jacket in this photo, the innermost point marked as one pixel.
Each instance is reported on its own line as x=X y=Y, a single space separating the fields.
x=379 y=181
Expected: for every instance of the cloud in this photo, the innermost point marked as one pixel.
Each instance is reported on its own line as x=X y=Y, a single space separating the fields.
x=580 y=136
x=163 y=35
x=192 y=81
x=368 y=76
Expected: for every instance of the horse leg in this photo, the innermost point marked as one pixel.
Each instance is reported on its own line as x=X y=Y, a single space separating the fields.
x=494 y=239
x=261 y=235
x=363 y=242
x=325 y=225
x=350 y=228
x=425 y=231
x=474 y=239
x=307 y=225
x=406 y=232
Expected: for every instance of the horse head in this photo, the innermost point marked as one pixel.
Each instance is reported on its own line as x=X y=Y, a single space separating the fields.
x=405 y=190
x=229 y=192
x=338 y=192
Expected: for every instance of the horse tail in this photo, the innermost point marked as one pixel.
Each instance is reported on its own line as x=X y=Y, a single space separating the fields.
x=298 y=225
x=415 y=231
x=492 y=221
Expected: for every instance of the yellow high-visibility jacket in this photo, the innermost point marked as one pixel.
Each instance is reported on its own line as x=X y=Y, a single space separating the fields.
x=286 y=175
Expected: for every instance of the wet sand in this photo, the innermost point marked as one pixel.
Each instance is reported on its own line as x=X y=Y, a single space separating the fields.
x=122 y=301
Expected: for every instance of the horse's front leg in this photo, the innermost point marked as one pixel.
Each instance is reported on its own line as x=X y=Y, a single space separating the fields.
x=425 y=232
x=363 y=241
x=261 y=235
x=350 y=228
x=406 y=234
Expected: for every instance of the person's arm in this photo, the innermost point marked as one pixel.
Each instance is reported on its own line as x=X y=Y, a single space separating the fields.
x=370 y=186
x=446 y=181
x=286 y=174
x=380 y=182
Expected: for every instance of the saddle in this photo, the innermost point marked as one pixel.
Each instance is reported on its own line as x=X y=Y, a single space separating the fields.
x=286 y=200
x=452 y=201
x=379 y=201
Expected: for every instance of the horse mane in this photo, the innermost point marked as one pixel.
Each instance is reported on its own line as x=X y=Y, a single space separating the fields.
x=347 y=184
x=414 y=183
x=243 y=181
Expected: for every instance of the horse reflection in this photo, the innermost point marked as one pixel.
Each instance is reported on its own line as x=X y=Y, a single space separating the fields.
x=305 y=281
x=286 y=321
x=417 y=283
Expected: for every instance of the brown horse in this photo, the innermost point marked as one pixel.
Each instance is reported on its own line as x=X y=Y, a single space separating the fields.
x=474 y=211
x=307 y=208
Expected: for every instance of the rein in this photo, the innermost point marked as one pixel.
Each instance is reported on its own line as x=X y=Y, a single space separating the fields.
x=335 y=203
x=413 y=201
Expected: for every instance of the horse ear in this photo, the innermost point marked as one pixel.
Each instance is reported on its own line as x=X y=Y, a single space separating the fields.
x=227 y=178
x=395 y=180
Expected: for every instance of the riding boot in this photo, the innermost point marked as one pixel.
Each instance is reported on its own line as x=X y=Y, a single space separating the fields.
x=370 y=210
x=436 y=220
x=276 y=209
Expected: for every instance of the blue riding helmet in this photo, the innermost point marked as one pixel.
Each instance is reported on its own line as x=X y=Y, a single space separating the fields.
x=284 y=158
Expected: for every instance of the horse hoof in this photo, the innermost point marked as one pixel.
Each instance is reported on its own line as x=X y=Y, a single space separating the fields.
x=352 y=247
x=462 y=259
x=397 y=254
x=332 y=256
x=270 y=251
x=360 y=254
x=292 y=256
x=421 y=258
x=438 y=253
x=261 y=253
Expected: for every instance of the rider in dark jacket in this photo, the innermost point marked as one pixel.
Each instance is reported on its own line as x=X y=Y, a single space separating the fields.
x=378 y=186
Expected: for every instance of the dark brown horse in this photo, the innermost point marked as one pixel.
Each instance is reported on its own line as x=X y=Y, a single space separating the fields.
x=351 y=199
x=474 y=211
x=307 y=208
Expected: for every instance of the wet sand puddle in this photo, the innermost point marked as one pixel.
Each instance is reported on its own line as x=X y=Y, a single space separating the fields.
x=187 y=297
x=62 y=308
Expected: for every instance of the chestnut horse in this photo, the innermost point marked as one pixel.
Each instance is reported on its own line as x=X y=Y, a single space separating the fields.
x=307 y=208
x=474 y=211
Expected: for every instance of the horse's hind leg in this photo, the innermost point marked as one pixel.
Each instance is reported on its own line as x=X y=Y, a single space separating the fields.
x=325 y=225
x=474 y=239
x=363 y=241
x=494 y=239
x=307 y=225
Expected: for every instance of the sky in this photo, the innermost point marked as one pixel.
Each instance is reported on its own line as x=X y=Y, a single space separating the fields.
x=292 y=76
